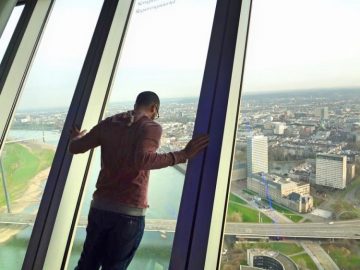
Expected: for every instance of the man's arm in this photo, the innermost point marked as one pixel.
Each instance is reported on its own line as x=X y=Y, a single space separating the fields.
x=81 y=142
x=146 y=157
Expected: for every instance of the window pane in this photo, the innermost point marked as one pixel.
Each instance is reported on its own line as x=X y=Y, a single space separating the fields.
x=165 y=53
x=38 y=122
x=294 y=196
x=9 y=29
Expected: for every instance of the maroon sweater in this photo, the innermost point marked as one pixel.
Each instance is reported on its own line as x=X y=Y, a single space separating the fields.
x=128 y=151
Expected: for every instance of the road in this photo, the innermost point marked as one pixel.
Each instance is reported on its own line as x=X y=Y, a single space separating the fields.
x=341 y=229
x=28 y=219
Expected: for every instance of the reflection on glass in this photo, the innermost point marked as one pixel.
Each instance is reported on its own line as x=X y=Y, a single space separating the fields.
x=35 y=131
x=296 y=175
x=9 y=29
x=164 y=53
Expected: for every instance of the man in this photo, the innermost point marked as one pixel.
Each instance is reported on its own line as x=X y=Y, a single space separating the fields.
x=128 y=151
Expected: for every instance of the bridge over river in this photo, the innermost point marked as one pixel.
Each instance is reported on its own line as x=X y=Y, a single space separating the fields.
x=341 y=229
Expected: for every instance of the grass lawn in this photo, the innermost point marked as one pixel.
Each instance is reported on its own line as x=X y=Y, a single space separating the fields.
x=21 y=163
x=235 y=198
x=346 y=255
x=295 y=218
x=307 y=221
x=249 y=191
x=287 y=212
x=245 y=214
x=304 y=261
x=284 y=248
x=318 y=201
x=281 y=209
x=353 y=184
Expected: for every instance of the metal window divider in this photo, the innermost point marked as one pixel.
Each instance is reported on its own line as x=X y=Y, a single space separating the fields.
x=200 y=223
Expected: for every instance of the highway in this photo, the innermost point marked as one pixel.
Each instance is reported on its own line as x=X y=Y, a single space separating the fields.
x=28 y=220
x=341 y=229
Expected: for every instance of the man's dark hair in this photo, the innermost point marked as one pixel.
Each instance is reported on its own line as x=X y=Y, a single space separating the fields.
x=147 y=98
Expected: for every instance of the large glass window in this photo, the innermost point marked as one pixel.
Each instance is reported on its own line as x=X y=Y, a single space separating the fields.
x=33 y=137
x=164 y=51
x=295 y=185
x=9 y=29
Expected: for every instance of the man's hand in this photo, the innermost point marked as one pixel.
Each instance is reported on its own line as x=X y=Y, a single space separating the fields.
x=75 y=133
x=196 y=145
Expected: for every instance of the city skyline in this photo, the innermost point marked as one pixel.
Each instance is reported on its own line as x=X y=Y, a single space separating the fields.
x=287 y=203
x=280 y=54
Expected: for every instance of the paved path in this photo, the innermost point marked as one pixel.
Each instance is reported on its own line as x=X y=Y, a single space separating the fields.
x=319 y=256
x=296 y=254
x=313 y=257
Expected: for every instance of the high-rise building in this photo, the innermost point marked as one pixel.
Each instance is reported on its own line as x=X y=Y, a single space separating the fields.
x=331 y=170
x=257 y=155
x=279 y=128
x=322 y=112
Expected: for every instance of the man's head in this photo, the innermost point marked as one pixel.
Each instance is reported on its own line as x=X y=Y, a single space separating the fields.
x=148 y=102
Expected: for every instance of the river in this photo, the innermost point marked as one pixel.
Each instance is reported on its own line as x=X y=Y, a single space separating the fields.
x=154 y=252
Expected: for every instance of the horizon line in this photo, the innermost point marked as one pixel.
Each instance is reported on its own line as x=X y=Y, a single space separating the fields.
x=245 y=94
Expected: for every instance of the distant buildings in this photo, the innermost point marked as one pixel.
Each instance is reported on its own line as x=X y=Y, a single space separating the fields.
x=257 y=155
x=351 y=172
x=322 y=113
x=284 y=191
x=239 y=171
x=331 y=170
x=279 y=128
x=295 y=195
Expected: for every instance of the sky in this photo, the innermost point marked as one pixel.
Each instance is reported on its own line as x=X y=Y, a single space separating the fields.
x=293 y=44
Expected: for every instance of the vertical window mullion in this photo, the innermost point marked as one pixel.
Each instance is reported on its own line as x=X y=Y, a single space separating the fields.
x=196 y=210
x=63 y=192
x=6 y=8
x=217 y=226
x=18 y=58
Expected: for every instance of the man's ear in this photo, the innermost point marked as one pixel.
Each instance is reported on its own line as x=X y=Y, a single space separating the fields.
x=153 y=108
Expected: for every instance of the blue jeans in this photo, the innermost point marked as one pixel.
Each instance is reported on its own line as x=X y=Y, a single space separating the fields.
x=111 y=240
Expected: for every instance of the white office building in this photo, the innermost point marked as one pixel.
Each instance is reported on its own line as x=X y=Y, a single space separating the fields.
x=279 y=128
x=331 y=170
x=257 y=155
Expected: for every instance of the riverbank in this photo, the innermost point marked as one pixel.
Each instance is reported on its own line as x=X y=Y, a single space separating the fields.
x=26 y=167
x=21 y=163
x=27 y=203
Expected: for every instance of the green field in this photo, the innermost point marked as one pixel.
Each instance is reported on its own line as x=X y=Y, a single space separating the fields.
x=353 y=184
x=304 y=261
x=249 y=192
x=345 y=255
x=21 y=163
x=236 y=199
x=318 y=201
x=307 y=221
x=287 y=212
x=284 y=248
x=240 y=213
